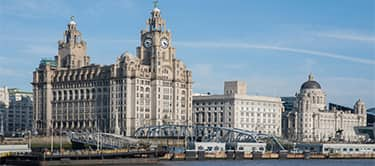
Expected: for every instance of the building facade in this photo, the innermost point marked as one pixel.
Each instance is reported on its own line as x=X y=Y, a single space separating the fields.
x=312 y=121
x=4 y=105
x=19 y=116
x=15 y=111
x=153 y=88
x=236 y=109
x=288 y=103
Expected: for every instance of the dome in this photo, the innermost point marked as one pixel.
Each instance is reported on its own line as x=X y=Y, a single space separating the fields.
x=360 y=102
x=72 y=22
x=156 y=10
x=310 y=84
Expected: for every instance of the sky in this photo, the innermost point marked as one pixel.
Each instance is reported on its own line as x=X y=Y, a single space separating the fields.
x=272 y=45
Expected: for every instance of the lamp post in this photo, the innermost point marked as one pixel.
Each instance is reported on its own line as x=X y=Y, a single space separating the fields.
x=52 y=139
x=60 y=136
x=29 y=138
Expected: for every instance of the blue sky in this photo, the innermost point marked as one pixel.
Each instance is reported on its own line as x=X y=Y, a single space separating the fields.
x=271 y=44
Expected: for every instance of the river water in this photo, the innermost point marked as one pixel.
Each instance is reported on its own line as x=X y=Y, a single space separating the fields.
x=356 y=162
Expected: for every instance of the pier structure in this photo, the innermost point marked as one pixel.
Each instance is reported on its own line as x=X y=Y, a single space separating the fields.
x=175 y=136
x=200 y=133
x=100 y=140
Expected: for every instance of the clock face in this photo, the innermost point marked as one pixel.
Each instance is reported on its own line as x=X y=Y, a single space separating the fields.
x=164 y=43
x=147 y=43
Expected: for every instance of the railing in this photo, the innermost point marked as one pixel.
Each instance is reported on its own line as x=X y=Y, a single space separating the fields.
x=103 y=140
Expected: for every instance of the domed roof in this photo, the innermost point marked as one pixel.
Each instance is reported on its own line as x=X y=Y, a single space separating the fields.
x=359 y=102
x=311 y=84
x=156 y=10
x=72 y=22
x=156 y=7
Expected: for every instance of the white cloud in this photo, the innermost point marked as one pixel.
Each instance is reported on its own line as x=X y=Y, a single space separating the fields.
x=275 y=48
x=349 y=36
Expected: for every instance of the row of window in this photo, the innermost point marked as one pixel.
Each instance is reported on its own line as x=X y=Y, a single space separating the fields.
x=64 y=85
x=257 y=120
x=252 y=114
x=247 y=103
x=215 y=103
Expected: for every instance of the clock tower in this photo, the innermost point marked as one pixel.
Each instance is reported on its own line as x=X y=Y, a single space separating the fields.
x=155 y=48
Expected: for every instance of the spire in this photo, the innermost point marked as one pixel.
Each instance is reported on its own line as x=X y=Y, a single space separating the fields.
x=311 y=77
x=156 y=4
x=72 y=49
x=72 y=22
x=156 y=7
x=155 y=22
x=359 y=101
x=72 y=35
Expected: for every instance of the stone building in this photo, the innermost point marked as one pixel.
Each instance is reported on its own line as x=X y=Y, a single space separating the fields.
x=15 y=111
x=236 y=109
x=153 y=88
x=311 y=121
x=4 y=105
x=288 y=103
x=19 y=116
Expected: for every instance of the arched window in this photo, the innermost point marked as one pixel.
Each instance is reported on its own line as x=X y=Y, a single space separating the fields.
x=314 y=101
x=307 y=105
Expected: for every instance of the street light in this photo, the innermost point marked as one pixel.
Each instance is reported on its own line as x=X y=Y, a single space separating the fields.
x=52 y=139
x=29 y=138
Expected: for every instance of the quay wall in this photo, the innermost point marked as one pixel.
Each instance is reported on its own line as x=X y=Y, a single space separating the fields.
x=254 y=156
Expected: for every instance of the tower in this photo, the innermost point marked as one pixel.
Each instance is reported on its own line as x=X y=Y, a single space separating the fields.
x=72 y=49
x=235 y=87
x=310 y=100
x=156 y=46
x=312 y=95
x=359 y=107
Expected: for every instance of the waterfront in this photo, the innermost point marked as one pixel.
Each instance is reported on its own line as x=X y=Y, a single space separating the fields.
x=355 y=162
